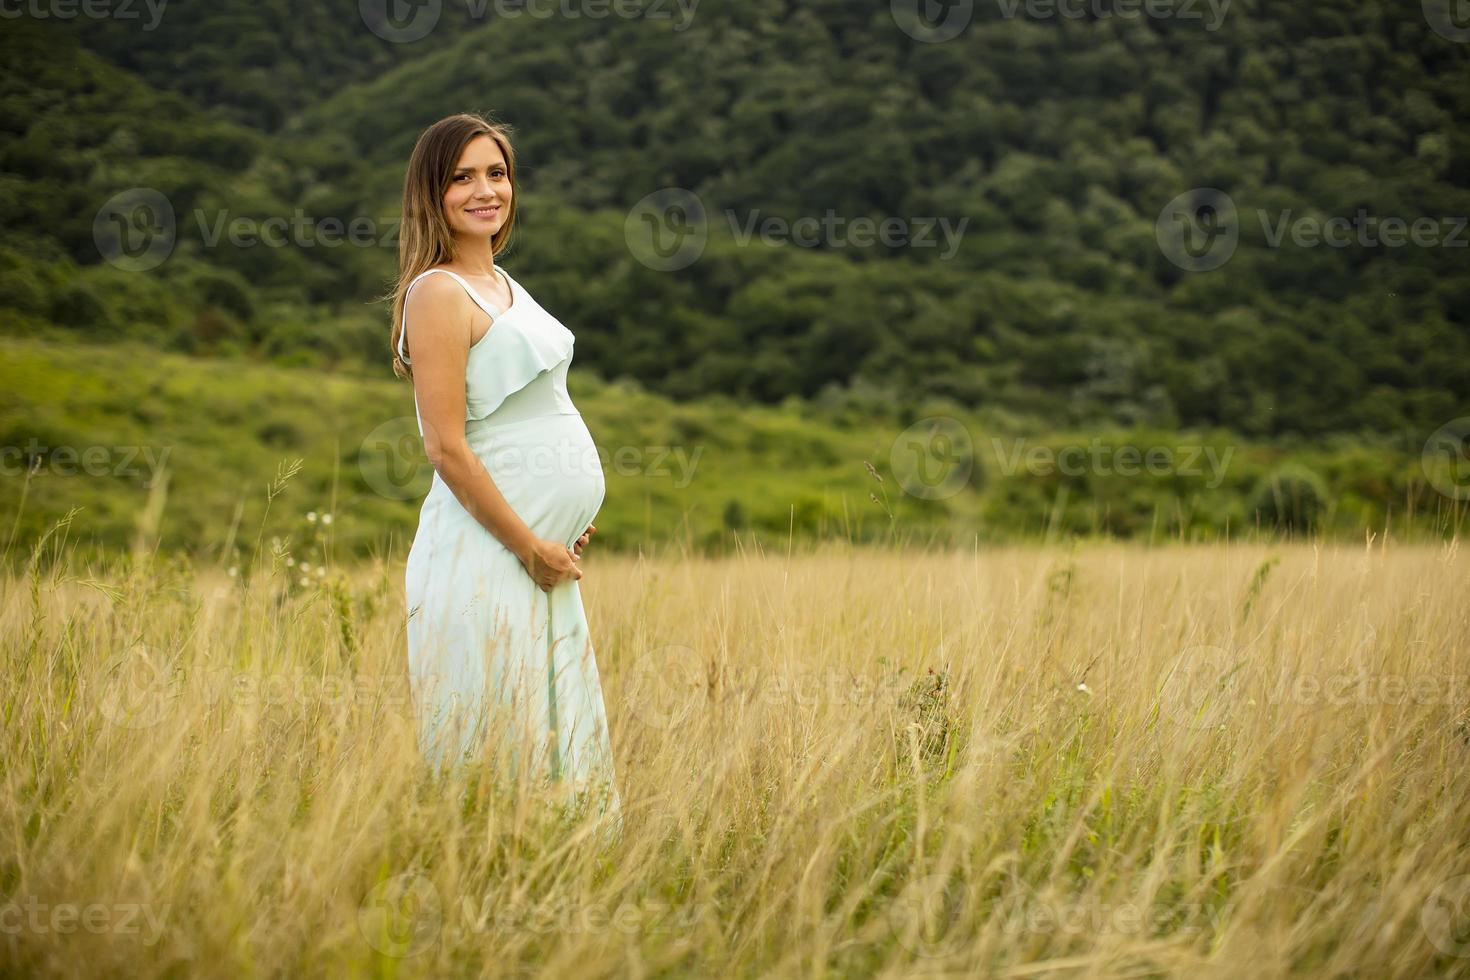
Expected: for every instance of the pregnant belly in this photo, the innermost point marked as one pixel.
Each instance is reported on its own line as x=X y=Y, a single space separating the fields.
x=549 y=471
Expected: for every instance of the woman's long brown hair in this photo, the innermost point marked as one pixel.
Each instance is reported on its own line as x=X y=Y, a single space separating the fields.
x=425 y=238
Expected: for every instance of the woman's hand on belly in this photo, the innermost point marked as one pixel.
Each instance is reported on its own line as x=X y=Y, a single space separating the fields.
x=582 y=541
x=551 y=563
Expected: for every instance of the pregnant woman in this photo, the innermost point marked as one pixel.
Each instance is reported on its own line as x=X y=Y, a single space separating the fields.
x=499 y=652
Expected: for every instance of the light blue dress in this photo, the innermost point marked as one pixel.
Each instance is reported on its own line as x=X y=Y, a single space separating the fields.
x=490 y=655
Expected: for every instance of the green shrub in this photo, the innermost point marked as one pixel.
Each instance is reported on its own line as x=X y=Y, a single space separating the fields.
x=21 y=289
x=1291 y=497
x=77 y=305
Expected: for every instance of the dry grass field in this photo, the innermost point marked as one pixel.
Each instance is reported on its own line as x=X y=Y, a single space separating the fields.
x=1092 y=760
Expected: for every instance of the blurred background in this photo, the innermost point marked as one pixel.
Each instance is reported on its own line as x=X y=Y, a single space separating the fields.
x=912 y=271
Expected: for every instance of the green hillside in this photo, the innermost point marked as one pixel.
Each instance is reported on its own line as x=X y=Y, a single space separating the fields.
x=184 y=451
x=1056 y=142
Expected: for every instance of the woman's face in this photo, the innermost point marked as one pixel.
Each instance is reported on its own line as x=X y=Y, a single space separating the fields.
x=479 y=191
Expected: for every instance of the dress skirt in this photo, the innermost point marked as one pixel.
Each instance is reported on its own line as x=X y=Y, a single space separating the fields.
x=496 y=665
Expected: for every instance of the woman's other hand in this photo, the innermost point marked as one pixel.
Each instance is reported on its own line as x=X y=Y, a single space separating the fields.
x=550 y=563
x=582 y=541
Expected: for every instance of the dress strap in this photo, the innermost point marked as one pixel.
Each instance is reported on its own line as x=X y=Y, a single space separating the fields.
x=490 y=308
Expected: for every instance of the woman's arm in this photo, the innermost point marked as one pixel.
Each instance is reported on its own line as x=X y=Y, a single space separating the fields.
x=440 y=315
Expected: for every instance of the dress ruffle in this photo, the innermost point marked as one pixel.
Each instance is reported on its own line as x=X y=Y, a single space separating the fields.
x=512 y=355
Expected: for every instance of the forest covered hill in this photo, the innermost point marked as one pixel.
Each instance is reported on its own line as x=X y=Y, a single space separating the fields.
x=1050 y=147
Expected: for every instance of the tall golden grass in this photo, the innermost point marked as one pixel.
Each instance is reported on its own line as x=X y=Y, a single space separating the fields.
x=1094 y=760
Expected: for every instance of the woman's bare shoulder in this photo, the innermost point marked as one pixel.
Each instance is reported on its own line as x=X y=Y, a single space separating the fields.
x=437 y=308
